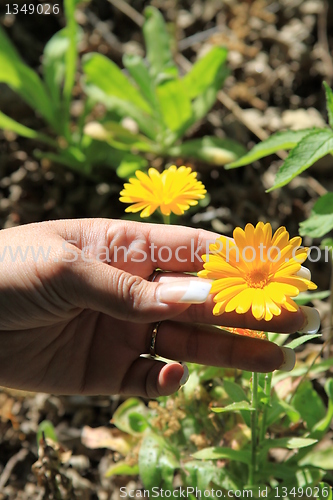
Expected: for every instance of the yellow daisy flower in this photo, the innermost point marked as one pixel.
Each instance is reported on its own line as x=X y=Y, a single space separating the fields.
x=174 y=190
x=256 y=271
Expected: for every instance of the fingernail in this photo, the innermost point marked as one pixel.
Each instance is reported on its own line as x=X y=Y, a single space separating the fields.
x=289 y=359
x=185 y=376
x=304 y=272
x=311 y=320
x=186 y=291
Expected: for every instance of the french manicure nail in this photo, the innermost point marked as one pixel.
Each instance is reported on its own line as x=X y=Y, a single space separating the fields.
x=186 y=291
x=185 y=376
x=304 y=272
x=289 y=359
x=311 y=320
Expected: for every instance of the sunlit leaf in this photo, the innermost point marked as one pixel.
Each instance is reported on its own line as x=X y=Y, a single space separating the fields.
x=320 y=221
x=276 y=142
x=301 y=340
x=174 y=103
x=319 y=458
x=310 y=149
x=218 y=452
x=210 y=149
x=305 y=297
x=157 y=40
x=122 y=468
x=203 y=73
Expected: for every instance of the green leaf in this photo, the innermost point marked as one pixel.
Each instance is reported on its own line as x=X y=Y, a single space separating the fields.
x=122 y=469
x=320 y=221
x=7 y=123
x=218 y=452
x=242 y=405
x=276 y=142
x=174 y=103
x=121 y=417
x=234 y=391
x=139 y=72
x=203 y=73
x=105 y=74
x=301 y=340
x=149 y=455
x=46 y=427
x=309 y=404
x=210 y=149
x=15 y=73
x=129 y=164
x=305 y=297
x=310 y=149
x=329 y=103
x=137 y=422
x=205 y=101
x=290 y=443
x=168 y=463
x=320 y=458
x=326 y=491
x=157 y=40
x=124 y=108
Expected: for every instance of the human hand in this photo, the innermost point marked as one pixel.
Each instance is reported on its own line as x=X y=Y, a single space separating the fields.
x=75 y=323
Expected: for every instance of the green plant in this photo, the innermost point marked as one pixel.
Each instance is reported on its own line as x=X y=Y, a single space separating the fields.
x=213 y=450
x=162 y=104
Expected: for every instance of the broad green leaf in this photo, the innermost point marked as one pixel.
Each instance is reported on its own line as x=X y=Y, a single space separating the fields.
x=329 y=103
x=168 y=463
x=157 y=40
x=310 y=149
x=234 y=391
x=105 y=74
x=139 y=72
x=319 y=458
x=54 y=63
x=7 y=123
x=47 y=429
x=290 y=443
x=321 y=427
x=15 y=73
x=124 y=108
x=305 y=297
x=174 y=104
x=309 y=404
x=276 y=142
x=121 y=417
x=129 y=165
x=218 y=452
x=320 y=221
x=122 y=469
x=149 y=455
x=203 y=73
x=242 y=405
x=70 y=158
x=205 y=101
x=301 y=340
x=137 y=421
x=210 y=149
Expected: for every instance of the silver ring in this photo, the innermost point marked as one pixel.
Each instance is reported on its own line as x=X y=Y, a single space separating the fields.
x=154 y=333
x=154 y=276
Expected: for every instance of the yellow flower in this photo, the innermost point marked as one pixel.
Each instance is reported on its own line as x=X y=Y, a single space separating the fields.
x=174 y=190
x=256 y=271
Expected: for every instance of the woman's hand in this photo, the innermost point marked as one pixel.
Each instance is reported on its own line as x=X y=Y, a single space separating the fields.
x=78 y=309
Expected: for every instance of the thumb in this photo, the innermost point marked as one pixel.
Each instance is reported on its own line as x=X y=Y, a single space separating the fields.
x=104 y=288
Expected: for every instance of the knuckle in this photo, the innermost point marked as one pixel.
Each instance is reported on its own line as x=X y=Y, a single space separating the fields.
x=131 y=289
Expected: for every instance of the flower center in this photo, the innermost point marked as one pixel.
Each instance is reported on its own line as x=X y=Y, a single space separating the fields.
x=257 y=278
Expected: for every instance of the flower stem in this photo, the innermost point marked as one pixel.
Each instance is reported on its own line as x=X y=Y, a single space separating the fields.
x=166 y=219
x=267 y=391
x=254 y=423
